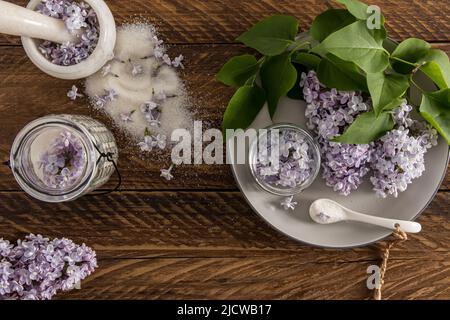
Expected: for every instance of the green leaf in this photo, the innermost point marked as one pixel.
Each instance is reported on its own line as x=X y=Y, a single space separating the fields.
x=342 y=75
x=271 y=36
x=355 y=43
x=278 y=76
x=330 y=21
x=238 y=70
x=366 y=128
x=356 y=8
x=243 y=107
x=411 y=50
x=296 y=92
x=435 y=108
x=386 y=89
x=437 y=67
x=308 y=60
x=379 y=35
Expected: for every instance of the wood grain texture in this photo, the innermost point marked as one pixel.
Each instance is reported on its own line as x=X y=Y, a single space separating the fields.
x=195 y=237
x=222 y=21
x=257 y=278
x=149 y=224
x=197 y=245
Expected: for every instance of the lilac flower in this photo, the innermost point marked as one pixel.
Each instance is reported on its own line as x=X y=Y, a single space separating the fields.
x=398 y=160
x=288 y=203
x=73 y=93
x=158 y=52
x=51 y=8
x=74 y=19
x=345 y=165
x=166 y=59
x=76 y=16
x=110 y=95
x=151 y=112
x=393 y=161
x=294 y=164
x=166 y=173
x=126 y=116
x=177 y=62
x=148 y=144
x=63 y=164
x=157 y=42
x=37 y=268
x=160 y=141
x=99 y=102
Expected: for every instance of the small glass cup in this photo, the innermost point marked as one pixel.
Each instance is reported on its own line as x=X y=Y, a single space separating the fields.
x=39 y=171
x=254 y=154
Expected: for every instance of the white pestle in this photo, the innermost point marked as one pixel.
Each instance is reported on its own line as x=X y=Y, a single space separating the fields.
x=18 y=21
x=103 y=52
x=326 y=211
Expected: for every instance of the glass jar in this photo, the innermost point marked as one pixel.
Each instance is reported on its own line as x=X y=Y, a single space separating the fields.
x=273 y=180
x=59 y=158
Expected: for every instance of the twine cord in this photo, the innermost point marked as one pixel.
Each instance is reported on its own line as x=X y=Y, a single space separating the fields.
x=399 y=236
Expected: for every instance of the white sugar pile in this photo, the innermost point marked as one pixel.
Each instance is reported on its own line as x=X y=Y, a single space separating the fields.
x=140 y=88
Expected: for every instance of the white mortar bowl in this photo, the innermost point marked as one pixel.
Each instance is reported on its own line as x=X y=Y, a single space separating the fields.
x=103 y=52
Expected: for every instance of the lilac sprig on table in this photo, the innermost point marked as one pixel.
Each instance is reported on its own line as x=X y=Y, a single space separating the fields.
x=36 y=268
x=76 y=16
x=394 y=160
x=64 y=162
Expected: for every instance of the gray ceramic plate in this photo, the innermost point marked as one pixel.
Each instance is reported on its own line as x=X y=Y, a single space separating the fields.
x=298 y=225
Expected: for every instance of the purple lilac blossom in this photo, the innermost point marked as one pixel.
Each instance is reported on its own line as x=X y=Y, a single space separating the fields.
x=159 y=53
x=329 y=112
x=399 y=155
x=167 y=173
x=295 y=162
x=73 y=93
x=151 y=141
x=288 y=203
x=63 y=164
x=152 y=109
x=76 y=16
x=37 y=267
x=393 y=161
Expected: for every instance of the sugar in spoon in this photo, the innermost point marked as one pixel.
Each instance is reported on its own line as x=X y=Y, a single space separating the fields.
x=326 y=211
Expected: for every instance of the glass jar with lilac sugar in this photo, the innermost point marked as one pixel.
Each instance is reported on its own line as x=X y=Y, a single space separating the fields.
x=59 y=158
x=284 y=159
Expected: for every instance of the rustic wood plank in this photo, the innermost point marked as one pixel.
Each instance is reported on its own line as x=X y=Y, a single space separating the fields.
x=192 y=224
x=195 y=245
x=26 y=94
x=258 y=278
x=221 y=21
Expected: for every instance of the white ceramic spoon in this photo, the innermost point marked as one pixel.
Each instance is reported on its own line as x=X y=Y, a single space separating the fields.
x=326 y=211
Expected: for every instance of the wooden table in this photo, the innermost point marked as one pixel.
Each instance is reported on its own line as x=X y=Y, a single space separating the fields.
x=195 y=237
